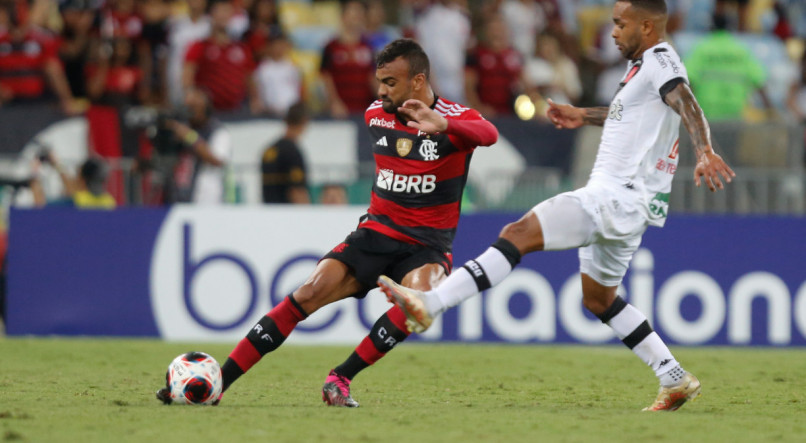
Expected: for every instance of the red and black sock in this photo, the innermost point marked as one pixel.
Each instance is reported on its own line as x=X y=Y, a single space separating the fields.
x=267 y=335
x=387 y=332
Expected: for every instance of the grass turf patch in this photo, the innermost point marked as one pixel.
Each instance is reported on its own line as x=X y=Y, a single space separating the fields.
x=103 y=390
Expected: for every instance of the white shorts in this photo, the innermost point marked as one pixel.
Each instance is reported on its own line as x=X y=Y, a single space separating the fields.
x=605 y=222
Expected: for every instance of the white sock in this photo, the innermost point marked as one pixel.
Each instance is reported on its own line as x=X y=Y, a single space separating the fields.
x=632 y=328
x=486 y=271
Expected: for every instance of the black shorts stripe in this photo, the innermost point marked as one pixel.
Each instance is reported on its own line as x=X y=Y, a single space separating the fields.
x=439 y=239
x=638 y=335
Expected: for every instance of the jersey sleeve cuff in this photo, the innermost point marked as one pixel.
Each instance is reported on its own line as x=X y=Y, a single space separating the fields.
x=668 y=86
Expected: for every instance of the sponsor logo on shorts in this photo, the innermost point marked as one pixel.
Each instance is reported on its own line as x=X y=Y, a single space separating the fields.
x=659 y=206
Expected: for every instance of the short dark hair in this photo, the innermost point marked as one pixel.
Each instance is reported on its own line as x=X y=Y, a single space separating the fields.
x=297 y=114
x=409 y=50
x=94 y=172
x=653 y=6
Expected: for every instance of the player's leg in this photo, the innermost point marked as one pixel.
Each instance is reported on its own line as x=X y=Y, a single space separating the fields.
x=602 y=268
x=390 y=329
x=557 y=223
x=330 y=281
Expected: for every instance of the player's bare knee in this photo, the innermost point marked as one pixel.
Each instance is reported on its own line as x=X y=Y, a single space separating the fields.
x=523 y=235
x=596 y=304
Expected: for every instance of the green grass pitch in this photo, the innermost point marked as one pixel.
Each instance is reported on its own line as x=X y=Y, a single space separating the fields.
x=82 y=390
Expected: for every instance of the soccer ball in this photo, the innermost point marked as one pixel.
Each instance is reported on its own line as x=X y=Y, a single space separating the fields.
x=194 y=379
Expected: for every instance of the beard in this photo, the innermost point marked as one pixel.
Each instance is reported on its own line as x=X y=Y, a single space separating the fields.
x=389 y=106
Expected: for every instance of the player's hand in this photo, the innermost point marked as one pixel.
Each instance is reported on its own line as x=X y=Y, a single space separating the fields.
x=422 y=118
x=564 y=116
x=710 y=166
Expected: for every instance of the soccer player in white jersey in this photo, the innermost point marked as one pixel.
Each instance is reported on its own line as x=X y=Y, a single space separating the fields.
x=628 y=190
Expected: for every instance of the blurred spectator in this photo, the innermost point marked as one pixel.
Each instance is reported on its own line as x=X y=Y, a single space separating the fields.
x=283 y=166
x=783 y=28
x=29 y=63
x=493 y=71
x=152 y=49
x=333 y=194
x=610 y=65
x=239 y=22
x=78 y=18
x=86 y=191
x=348 y=66
x=114 y=82
x=200 y=164
x=525 y=19
x=218 y=64
x=443 y=30
x=279 y=81
x=119 y=19
x=796 y=101
x=551 y=73
x=182 y=32
x=378 y=34
x=724 y=73
x=263 y=23
x=723 y=7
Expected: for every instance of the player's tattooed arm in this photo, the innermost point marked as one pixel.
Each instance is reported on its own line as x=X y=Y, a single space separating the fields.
x=710 y=166
x=682 y=100
x=595 y=116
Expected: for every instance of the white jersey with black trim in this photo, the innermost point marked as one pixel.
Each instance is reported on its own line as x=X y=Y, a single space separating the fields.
x=640 y=139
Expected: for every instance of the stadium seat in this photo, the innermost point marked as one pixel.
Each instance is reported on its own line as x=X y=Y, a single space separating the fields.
x=312 y=38
x=308 y=62
x=590 y=20
x=327 y=13
x=781 y=70
x=295 y=14
x=699 y=15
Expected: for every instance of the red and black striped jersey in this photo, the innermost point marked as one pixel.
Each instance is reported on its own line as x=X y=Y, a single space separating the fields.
x=419 y=178
x=23 y=62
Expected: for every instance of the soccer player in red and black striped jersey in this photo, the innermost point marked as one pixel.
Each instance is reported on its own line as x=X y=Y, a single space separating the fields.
x=422 y=146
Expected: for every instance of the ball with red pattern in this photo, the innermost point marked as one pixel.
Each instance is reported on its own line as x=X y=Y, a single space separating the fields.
x=194 y=379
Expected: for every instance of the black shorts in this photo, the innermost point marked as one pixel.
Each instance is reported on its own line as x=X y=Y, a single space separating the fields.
x=370 y=254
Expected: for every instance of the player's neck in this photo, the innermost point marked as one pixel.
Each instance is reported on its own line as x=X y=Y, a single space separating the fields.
x=427 y=96
x=650 y=43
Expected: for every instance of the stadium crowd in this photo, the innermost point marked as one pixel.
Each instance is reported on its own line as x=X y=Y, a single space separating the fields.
x=103 y=58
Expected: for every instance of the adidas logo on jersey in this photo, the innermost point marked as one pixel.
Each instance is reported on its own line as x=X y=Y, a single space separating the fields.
x=382 y=142
x=420 y=184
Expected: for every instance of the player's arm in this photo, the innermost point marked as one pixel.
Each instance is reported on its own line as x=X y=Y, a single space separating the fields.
x=710 y=165
x=570 y=117
x=474 y=132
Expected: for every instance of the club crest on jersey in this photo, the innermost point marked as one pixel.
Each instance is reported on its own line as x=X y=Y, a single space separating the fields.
x=403 y=146
x=428 y=150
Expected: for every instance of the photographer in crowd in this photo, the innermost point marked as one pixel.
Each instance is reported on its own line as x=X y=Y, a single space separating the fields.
x=196 y=156
x=85 y=191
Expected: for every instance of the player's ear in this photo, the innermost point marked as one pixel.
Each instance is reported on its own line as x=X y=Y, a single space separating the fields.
x=418 y=82
x=647 y=26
